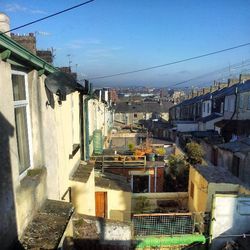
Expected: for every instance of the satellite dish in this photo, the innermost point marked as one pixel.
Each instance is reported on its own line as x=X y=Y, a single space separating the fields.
x=63 y=84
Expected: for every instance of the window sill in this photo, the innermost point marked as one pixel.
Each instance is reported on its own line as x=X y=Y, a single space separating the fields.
x=76 y=147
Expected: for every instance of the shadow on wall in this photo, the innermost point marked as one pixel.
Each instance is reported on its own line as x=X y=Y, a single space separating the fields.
x=8 y=227
x=97 y=233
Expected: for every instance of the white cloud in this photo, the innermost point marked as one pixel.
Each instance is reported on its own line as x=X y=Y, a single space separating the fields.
x=15 y=7
x=81 y=43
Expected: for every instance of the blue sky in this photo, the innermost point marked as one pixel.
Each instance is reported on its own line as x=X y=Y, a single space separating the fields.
x=113 y=36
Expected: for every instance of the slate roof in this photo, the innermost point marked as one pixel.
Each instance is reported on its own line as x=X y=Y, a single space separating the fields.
x=217 y=174
x=48 y=225
x=242 y=145
x=209 y=117
x=82 y=173
x=244 y=87
x=112 y=181
x=142 y=107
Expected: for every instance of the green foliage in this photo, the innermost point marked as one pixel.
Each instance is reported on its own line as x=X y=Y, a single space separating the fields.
x=177 y=172
x=195 y=153
x=142 y=205
x=160 y=151
x=131 y=146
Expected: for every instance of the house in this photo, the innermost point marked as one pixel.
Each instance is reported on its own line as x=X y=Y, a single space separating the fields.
x=134 y=112
x=205 y=181
x=236 y=117
x=42 y=149
x=235 y=156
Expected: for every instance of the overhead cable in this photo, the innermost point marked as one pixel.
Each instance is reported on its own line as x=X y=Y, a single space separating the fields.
x=46 y=17
x=171 y=63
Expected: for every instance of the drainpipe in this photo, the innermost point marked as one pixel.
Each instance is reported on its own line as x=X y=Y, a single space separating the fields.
x=86 y=121
x=155 y=177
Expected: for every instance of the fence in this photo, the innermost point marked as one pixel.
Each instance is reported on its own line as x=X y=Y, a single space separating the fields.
x=163 y=224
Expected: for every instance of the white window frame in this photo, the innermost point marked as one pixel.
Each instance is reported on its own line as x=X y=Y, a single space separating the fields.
x=25 y=103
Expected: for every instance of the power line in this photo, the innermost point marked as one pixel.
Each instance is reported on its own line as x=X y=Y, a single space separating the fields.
x=52 y=15
x=171 y=63
x=234 y=66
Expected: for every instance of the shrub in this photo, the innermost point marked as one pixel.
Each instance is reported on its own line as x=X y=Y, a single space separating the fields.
x=195 y=153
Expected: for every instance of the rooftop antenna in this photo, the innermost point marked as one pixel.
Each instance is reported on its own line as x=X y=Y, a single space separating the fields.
x=69 y=56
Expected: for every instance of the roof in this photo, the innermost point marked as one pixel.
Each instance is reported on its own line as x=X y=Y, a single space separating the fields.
x=244 y=87
x=82 y=173
x=217 y=174
x=13 y=52
x=137 y=107
x=242 y=145
x=112 y=181
x=208 y=118
x=47 y=226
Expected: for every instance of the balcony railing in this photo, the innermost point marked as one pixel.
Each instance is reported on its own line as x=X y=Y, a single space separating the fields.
x=118 y=161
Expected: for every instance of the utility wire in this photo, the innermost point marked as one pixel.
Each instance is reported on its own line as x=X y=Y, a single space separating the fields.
x=234 y=66
x=52 y=15
x=171 y=63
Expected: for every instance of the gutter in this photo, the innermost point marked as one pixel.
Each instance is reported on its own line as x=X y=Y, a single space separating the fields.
x=86 y=121
x=20 y=52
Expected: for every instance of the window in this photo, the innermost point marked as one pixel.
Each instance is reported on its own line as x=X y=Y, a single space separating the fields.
x=135 y=115
x=204 y=107
x=208 y=107
x=22 y=119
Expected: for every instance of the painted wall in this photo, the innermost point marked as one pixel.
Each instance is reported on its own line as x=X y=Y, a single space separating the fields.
x=186 y=127
x=229 y=106
x=118 y=204
x=83 y=195
x=60 y=129
x=206 y=108
x=8 y=159
x=230 y=216
x=204 y=191
x=22 y=194
x=197 y=203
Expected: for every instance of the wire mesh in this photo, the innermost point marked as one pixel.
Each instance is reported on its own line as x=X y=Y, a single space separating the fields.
x=164 y=224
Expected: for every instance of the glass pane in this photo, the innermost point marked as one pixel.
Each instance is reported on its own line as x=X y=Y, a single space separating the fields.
x=18 y=83
x=22 y=138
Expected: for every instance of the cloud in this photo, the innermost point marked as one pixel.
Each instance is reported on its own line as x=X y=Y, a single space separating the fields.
x=14 y=7
x=102 y=52
x=81 y=43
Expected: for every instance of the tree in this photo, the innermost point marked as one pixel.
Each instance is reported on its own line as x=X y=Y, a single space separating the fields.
x=177 y=172
x=195 y=153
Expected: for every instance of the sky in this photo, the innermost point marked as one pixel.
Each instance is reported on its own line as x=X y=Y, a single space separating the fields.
x=106 y=37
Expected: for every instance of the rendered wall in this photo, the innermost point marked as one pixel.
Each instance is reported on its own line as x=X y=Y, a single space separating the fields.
x=230 y=216
x=83 y=195
x=119 y=204
x=60 y=130
x=8 y=159
x=200 y=194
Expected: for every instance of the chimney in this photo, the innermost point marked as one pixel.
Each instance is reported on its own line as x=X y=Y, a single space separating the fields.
x=228 y=82
x=4 y=23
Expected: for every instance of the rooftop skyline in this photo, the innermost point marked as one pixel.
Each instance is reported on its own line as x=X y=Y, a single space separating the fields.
x=107 y=37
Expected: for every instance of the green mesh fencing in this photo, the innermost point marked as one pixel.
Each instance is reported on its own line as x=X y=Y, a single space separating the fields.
x=163 y=224
x=157 y=242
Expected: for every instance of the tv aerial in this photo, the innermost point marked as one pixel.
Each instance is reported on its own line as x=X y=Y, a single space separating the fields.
x=62 y=84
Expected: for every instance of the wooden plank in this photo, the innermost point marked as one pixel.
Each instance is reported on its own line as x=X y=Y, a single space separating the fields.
x=163 y=214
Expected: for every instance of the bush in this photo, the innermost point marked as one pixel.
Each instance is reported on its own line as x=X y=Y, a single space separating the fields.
x=195 y=153
x=176 y=178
